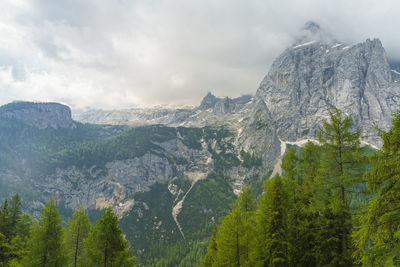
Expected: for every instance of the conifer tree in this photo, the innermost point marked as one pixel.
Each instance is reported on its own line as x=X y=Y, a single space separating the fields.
x=378 y=237
x=14 y=231
x=309 y=169
x=106 y=245
x=341 y=169
x=15 y=212
x=246 y=207
x=229 y=240
x=304 y=230
x=46 y=243
x=290 y=165
x=5 y=220
x=78 y=229
x=210 y=258
x=272 y=226
x=234 y=237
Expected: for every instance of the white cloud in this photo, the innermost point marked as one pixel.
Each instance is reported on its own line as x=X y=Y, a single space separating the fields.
x=123 y=53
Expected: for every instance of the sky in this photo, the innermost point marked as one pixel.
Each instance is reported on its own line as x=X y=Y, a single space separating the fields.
x=143 y=53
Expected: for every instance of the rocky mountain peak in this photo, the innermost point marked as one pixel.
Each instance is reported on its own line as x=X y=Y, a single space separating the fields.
x=309 y=79
x=208 y=101
x=41 y=115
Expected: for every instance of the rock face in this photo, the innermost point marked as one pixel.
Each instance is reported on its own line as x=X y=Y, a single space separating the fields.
x=309 y=79
x=41 y=115
x=92 y=189
x=208 y=101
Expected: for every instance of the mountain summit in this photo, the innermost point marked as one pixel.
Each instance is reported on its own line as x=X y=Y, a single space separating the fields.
x=309 y=79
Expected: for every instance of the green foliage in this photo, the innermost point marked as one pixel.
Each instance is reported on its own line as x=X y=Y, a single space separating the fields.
x=45 y=242
x=306 y=217
x=39 y=146
x=151 y=219
x=212 y=250
x=14 y=231
x=132 y=143
x=208 y=201
x=377 y=238
x=191 y=137
x=78 y=230
x=250 y=160
x=105 y=245
x=224 y=160
x=342 y=166
x=231 y=245
x=46 y=246
x=272 y=225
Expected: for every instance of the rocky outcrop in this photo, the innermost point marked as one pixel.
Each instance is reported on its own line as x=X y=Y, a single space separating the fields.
x=309 y=79
x=92 y=188
x=96 y=188
x=41 y=115
x=208 y=101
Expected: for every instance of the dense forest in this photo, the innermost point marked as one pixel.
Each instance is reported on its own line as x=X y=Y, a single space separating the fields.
x=25 y=241
x=336 y=204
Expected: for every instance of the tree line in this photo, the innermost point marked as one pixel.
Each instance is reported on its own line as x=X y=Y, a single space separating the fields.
x=337 y=203
x=44 y=242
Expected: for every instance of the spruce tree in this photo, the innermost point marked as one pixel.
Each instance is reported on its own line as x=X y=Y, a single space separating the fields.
x=78 y=229
x=106 y=245
x=46 y=243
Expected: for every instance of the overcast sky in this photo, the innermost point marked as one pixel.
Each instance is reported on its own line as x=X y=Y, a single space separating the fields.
x=126 y=53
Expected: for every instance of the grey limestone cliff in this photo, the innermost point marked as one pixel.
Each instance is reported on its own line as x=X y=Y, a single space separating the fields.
x=41 y=115
x=309 y=79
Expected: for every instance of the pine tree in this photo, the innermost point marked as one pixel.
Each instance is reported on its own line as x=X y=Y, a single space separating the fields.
x=78 y=230
x=106 y=245
x=378 y=236
x=341 y=169
x=46 y=243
